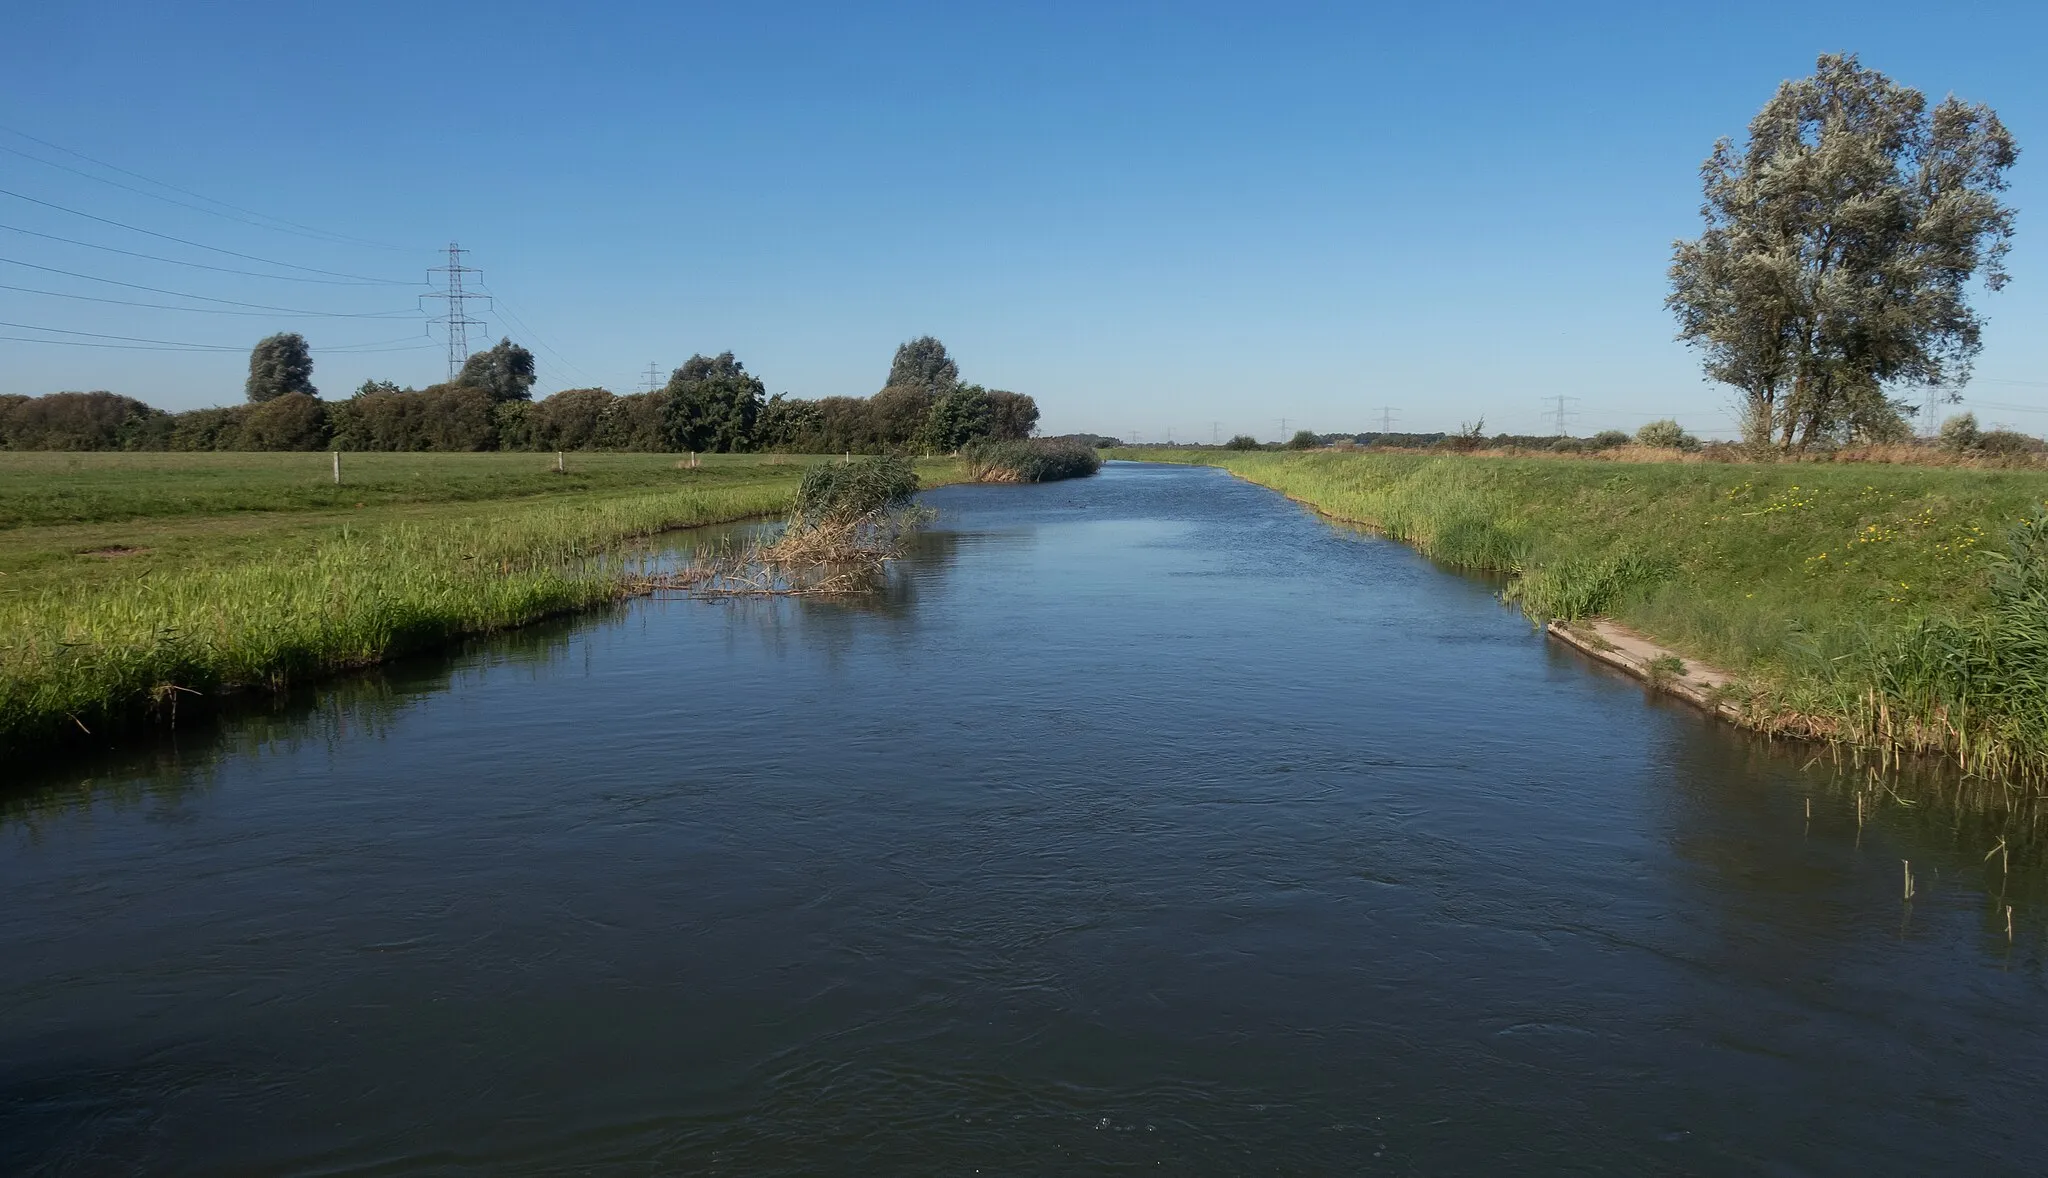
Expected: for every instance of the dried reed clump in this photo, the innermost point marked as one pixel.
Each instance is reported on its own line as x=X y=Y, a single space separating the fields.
x=847 y=524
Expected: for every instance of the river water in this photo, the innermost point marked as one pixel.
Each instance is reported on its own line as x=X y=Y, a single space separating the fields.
x=1143 y=822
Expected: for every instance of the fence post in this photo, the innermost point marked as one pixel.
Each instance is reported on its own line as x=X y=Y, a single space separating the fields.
x=337 y=468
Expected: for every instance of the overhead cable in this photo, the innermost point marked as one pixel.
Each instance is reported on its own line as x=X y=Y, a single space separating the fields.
x=201 y=245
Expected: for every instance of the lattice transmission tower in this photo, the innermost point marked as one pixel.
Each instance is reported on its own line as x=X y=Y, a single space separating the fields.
x=454 y=318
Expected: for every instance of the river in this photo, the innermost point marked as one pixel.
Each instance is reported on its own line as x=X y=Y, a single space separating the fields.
x=1145 y=821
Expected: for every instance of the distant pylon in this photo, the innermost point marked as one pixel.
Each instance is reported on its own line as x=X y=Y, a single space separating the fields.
x=455 y=319
x=653 y=376
x=1386 y=419
x=1561 y=415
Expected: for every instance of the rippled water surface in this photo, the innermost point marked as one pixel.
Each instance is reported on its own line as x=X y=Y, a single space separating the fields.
x=1144 y=822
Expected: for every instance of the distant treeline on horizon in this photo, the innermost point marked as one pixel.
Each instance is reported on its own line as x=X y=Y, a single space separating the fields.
x=709 y=405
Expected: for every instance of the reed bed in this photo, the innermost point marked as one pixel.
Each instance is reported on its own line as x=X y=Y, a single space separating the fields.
x=1896 y=608
x=1033 y=460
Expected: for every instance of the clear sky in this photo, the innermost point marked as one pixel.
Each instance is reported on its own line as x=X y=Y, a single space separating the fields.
x=1151 y=217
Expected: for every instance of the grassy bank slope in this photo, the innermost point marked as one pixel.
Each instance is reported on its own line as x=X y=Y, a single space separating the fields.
x=1891 y=606
x=105 y=624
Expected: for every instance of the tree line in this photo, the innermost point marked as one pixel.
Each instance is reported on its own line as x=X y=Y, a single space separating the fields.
x=711 y=404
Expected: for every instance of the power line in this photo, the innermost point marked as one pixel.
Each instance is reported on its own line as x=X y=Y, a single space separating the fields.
x=455 y=320
x=186 y=344
x=195 y=265
x=200 y=245
x=58 y=294
x=151 y=289
x=498 y=303
x=312 y=235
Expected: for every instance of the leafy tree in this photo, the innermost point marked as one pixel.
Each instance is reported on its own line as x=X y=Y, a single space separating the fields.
x=791 y=424
x=958 y=416
x=573 y=419
x=280 y=364
x=712 y=405
x=76 y=421
x=505 y=371
x=1304 y=440
x=898 y=412
x=1012 y=416
x=1840 y=241
x=1242 y=442
x=1608 y=439
x=293 y=421
x=923 y=363
x=376 y=386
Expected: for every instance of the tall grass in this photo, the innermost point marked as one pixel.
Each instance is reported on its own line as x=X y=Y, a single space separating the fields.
x=1896 y=607
x=87 y=657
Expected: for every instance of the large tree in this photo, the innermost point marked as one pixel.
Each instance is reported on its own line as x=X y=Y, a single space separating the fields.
x=280 y=364
x=1840 y=244
x=922 y=363
x=505 y=371
x=1011 y=415
x=712 y=405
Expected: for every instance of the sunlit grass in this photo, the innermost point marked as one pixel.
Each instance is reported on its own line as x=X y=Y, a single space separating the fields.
x=88 y=643
x=1860 y=601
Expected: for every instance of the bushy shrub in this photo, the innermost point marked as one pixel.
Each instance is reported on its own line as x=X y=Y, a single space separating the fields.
x=1304 y=440
x=2006 y=443
x=1666 y=435
x=1242 y=442
x=1608 y=439
x=1960 y=433
x=1567 y=446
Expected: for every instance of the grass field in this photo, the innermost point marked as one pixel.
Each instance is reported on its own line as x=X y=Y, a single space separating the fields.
x=1905 y=607
x=131 y=582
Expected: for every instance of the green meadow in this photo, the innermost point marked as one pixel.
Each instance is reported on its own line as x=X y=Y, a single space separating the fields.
x=130 y=583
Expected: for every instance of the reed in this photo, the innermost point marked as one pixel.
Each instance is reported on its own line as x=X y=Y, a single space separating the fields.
x=1036 y=460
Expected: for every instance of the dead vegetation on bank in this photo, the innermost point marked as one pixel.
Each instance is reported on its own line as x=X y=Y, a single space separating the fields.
x=847 y=524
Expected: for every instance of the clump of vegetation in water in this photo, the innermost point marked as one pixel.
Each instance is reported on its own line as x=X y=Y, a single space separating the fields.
x=846 y=524
x=1041 y=460
x=845 y=492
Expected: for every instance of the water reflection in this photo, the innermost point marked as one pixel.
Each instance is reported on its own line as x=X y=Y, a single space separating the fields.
x=1140 y=822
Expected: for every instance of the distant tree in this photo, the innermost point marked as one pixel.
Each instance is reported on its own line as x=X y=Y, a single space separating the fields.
x=1608 y=439
x=1304 y=440
x=848 y=425
x=280 y=364
x=923 y=363
x=209 y=429
x=505 y=371
x=1960 y=433
x=959 y=415
x=790 y=424
x=573 y=419
x=1012 y=416
x=898 y=412
x=1241 y=442
x=376 y=386
x=79 y=421
x=713 y=403
x=1840 y=241
x=294 y=421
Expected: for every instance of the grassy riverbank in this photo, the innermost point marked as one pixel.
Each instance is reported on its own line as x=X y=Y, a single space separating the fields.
x=154 y=579
x=1899 y=607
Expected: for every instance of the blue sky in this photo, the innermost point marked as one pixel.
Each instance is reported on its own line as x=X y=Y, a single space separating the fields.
x=1151 y=217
